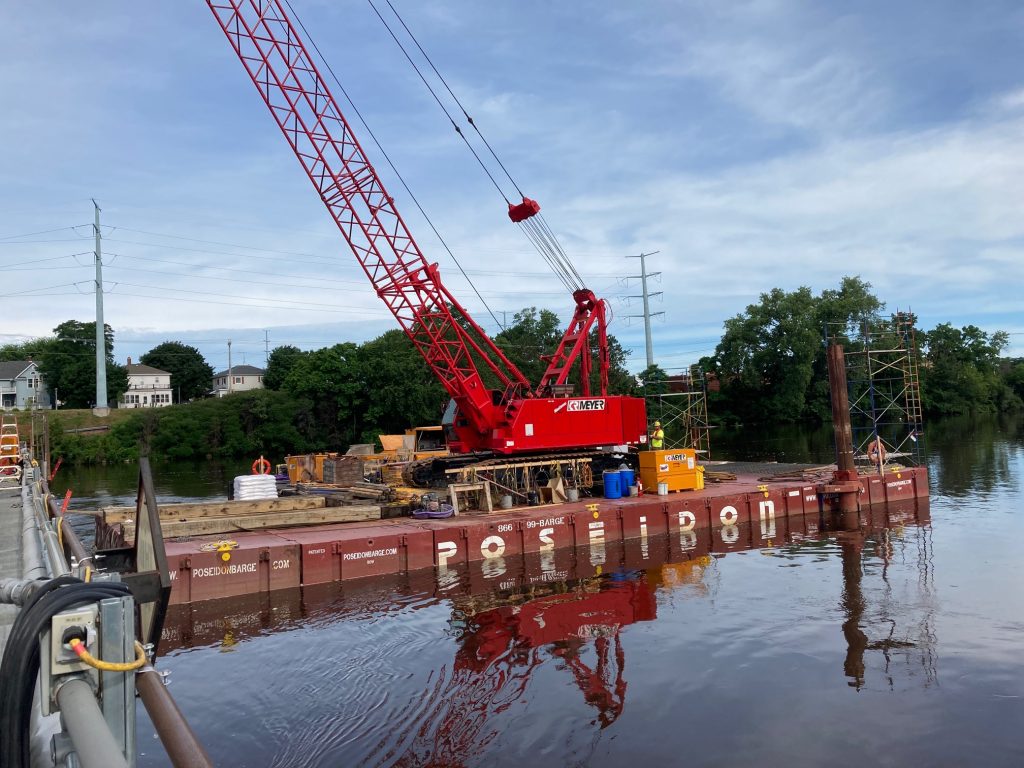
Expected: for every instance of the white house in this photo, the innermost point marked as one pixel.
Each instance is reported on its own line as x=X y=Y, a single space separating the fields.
x=148 y=387
x=21 y=386
x=238 y=378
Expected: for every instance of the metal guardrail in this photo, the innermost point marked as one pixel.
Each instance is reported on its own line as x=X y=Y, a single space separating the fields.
x=95 y=696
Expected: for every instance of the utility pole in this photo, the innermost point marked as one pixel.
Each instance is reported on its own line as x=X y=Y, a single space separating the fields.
x=646 y=296
x=230 y=378
x=266 y=348
x=101 y=408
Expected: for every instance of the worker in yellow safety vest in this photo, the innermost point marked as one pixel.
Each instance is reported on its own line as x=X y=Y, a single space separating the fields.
x=657 y=437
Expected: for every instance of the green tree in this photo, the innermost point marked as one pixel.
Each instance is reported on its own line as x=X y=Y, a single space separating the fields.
x=534 y=333
x=68 y=365
x=531 y=334
x=765 y=359
x=329 y=379
x=771 y=360
x=279 y=365
x=399 y=390
x=191 y=375
x=27 y=350
x=1013 y=374
x=842 y=314
x=653 y=381
x=620 y=380
x=962 y=371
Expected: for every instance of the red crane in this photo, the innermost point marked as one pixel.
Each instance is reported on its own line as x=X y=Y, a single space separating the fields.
x=513 y=417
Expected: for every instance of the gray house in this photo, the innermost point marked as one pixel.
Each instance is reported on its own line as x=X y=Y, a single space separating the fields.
x=21 y=386
x=238 y=378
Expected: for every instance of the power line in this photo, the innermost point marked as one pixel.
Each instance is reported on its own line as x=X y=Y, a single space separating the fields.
x=215 y=253
x=42 y=232
x=361 y=312
x=33 y=290
x=34 y=242
x=231 y=295
x=218 y=242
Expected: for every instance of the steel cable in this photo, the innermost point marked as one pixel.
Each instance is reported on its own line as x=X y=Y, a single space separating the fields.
x=542 y=236
x=387 y=158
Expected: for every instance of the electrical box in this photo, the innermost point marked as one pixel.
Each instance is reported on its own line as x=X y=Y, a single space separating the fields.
x=62 y=658
x=56 y=658
x=677 y=468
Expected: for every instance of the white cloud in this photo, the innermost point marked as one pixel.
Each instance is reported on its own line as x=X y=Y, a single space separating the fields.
x=754 y=145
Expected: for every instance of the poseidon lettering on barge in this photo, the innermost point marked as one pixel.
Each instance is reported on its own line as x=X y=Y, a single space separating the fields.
x=370 y=553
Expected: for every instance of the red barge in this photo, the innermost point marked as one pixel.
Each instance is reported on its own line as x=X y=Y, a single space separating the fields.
x=727 y=512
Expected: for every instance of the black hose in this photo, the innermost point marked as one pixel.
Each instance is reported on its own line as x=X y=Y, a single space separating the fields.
x=20 y=667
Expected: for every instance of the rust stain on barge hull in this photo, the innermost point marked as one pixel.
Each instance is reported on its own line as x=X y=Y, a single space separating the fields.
x=284 y=558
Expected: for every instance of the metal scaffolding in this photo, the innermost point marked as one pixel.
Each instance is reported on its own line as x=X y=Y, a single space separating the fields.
x=683 y=412
x=882 y=372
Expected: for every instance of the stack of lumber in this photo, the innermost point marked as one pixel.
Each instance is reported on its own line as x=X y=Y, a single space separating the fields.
x=361 y=493
x=199 y=519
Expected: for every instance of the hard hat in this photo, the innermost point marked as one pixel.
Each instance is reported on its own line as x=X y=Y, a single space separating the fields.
x=657 y=423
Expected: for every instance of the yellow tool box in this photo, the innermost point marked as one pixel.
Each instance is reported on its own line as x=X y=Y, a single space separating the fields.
x=677 y=468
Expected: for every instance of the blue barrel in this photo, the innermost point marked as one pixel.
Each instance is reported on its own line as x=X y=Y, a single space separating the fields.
x=612 y=484
x=627 y=477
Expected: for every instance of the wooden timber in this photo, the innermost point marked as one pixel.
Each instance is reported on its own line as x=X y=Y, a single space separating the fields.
x=237 y=523
x=192 y=511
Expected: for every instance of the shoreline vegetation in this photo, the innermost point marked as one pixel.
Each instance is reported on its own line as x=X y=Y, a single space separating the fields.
x=769 y=368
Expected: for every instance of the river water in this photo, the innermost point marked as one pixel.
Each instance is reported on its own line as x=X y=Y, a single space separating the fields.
x=898 y=643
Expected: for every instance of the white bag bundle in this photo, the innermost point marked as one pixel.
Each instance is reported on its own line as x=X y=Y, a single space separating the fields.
x=255 y=487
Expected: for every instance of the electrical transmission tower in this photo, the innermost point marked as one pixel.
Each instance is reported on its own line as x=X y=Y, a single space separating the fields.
x=101 y=408
x=646 y=296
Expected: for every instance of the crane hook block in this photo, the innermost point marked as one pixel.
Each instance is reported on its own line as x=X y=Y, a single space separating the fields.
x=523 y=210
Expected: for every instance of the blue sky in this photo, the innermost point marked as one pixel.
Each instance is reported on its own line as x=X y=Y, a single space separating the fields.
x=760 y=144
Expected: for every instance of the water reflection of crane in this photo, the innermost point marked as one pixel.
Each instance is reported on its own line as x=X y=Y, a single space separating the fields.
x=502 y=639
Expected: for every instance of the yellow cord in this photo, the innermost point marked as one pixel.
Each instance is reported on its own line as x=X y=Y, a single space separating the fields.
x=109 y=666
x=88 y=574
x=60 y=532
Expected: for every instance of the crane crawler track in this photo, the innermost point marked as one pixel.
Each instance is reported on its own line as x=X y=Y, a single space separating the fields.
x=439 y=472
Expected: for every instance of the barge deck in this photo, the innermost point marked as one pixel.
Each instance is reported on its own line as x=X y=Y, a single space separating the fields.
x=750 y=505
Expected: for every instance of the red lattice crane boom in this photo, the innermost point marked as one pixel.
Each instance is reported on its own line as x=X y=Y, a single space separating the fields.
x=513 y=418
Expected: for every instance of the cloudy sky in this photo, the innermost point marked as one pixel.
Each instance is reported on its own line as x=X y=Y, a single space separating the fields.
x=760 y=144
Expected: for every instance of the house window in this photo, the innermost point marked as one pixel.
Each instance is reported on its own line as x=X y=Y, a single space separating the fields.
x=238 y=379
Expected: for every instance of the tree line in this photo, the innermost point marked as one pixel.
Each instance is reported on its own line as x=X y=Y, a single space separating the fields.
x=770 y=364
x=768 y=367
x=322 y=399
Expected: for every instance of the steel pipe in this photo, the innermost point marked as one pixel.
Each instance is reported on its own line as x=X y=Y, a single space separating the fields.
x=72 y=544
x=33 y=564
x=175 y=734
x=18 y=591
x=94 y=743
